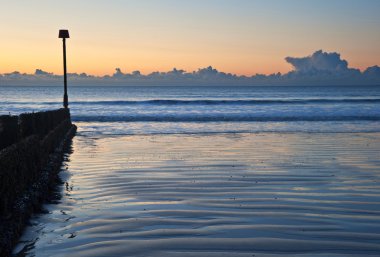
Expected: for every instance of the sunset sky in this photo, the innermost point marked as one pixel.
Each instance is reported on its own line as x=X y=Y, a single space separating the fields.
x=237 y=36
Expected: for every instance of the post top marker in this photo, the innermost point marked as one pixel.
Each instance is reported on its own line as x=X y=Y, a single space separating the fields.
x=64 y=33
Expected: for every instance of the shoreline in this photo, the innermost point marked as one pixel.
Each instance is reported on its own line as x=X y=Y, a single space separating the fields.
x=29 y=169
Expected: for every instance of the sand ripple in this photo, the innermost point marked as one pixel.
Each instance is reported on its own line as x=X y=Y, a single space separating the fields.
x=215 y=195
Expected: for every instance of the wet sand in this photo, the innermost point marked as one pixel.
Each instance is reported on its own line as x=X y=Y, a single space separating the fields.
x=214 y=195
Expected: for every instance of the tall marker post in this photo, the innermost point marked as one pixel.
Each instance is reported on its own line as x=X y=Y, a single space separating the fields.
x=63 y=33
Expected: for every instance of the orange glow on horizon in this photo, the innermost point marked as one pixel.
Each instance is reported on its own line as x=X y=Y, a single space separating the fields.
x=99 y=60
x=101 y=65
x=243 y=37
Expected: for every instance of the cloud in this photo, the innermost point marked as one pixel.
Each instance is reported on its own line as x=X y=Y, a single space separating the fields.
x=41 y=72
x=118 y=73
x=320 y=68
x=372 y=72
x=319 y=61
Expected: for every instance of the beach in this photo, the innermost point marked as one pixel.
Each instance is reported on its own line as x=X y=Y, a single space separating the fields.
x=190 y=128
x=211 y=171
x=249 y=194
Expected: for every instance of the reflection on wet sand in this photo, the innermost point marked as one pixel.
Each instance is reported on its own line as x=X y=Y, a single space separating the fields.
x=214 y=195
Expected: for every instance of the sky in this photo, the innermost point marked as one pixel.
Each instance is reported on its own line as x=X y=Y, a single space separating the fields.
x=243 y=37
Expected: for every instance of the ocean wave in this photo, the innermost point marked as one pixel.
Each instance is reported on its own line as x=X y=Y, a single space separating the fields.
x=216 y=118
x=218 y=102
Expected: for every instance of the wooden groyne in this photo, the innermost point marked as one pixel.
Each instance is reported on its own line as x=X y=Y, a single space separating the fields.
x=32 y=147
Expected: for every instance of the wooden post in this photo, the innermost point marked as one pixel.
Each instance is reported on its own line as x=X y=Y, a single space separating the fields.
x=64 y=34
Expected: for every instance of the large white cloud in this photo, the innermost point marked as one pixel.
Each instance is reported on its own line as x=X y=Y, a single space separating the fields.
x=319 y=61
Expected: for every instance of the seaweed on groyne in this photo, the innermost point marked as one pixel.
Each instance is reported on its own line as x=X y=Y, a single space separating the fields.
x=32 y=148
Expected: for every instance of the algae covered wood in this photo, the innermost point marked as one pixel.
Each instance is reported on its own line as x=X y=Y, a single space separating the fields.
x=29 y=162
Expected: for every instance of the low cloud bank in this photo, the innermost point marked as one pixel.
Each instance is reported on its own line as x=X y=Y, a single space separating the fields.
x=320 y=68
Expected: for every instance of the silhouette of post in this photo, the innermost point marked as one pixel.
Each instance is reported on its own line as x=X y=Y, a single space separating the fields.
x=64 y=34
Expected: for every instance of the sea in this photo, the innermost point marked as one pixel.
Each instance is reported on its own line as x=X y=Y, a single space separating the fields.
x=188 y=110
x=210 y=171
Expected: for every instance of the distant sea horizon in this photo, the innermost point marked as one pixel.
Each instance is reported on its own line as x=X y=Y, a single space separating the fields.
x=208 y=109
